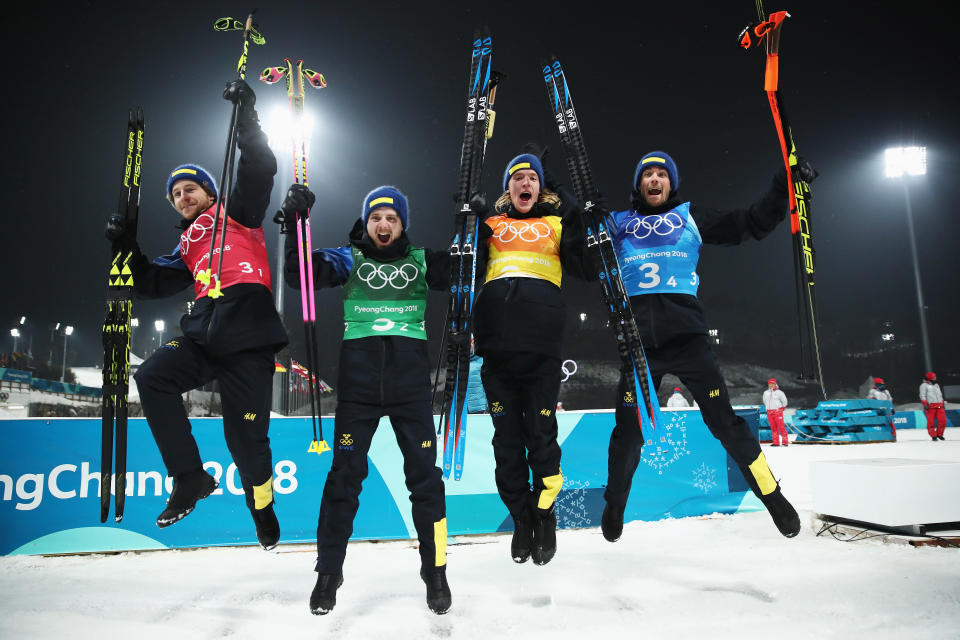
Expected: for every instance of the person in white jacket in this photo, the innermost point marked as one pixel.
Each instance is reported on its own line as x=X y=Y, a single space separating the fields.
x=775 y=401
x=677 y=399
x=931 y=396
x=880 y=392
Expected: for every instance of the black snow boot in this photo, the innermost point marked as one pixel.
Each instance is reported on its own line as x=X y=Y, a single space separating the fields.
x=324 y=595
x=522 y=537
x=611 y=524
x=438 y=591
x=188 y=488
x=782 y=512
x=544 y=535
x=268 y=527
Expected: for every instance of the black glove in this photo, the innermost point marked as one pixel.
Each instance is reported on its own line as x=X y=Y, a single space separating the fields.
x=804 y=170
x=116 y=228
x=239 y=93
x=297 y=204
x=478 y=204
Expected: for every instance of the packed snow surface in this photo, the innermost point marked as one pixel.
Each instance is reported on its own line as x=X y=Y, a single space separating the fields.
x=730 y=576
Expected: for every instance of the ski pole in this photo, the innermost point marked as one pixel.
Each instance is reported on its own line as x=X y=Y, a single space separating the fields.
x=296 y=96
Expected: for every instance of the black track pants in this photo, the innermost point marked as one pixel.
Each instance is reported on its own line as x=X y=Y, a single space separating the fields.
x=354 y=427
x=690 y=359
x=522 y=390
x=246 y=387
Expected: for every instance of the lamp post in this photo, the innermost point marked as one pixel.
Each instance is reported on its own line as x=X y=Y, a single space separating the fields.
x=23 y=323
x=159 y=325
x=902 y=162
x=67 y=331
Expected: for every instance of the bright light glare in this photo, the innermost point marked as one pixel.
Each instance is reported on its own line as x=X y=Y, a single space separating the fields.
x=281 y=130
x=159 y=325
x=909 y=160
x=886 y=337
x=15 y=333
x=68 y=330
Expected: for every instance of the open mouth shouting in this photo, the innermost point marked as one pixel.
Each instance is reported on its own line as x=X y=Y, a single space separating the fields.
x=384 y=227
x=524 y=189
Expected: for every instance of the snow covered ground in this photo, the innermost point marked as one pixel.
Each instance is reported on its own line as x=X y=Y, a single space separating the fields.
x=728 y=576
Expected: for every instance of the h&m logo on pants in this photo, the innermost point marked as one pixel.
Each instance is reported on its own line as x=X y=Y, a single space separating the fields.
x=426 y=444
x=250 y=417
x=545 y=412
x=713 y=393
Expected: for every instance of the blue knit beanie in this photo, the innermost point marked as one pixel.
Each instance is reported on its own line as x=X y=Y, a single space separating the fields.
x=386 y=196
x=658 y=159
x=192 y=172
x=523 y=161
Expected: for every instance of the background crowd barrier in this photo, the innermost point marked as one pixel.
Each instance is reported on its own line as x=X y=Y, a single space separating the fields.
x=50 y=475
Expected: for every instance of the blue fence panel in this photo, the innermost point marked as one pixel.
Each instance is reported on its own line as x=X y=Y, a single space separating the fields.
x=49 y=484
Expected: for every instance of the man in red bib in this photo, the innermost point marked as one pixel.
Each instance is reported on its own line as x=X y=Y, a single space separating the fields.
x=231 y=338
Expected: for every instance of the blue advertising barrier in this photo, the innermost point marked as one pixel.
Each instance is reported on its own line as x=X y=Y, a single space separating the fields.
x=15 y=375
x=918 y=419
x=50 y=475
x=844 y=421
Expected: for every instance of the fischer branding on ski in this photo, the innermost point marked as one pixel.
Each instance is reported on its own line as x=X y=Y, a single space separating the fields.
x=601 y=252
x=116 y=328
x=296 y=96
x=456 y=344
x=768 y=30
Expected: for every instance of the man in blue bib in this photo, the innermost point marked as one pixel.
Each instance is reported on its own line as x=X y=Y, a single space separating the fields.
x=658 y=245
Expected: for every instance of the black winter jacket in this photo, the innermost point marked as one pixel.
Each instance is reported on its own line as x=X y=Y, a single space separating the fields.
x=244 y=317
x=529 y=314
x=661 y=317
x=377 y=370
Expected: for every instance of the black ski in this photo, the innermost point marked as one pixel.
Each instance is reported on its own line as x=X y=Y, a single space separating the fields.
x=478 y=128
x=767 y=30
x=116 y=328
x=600 y=248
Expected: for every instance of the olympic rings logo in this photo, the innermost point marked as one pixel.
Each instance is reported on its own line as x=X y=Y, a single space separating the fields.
x=379 y=276
x=662 y=225
x=567 y=372
x=196 y=231
x=526 y=231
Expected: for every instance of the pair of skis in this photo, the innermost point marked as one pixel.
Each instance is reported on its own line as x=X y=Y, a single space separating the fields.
x=767 y=30
x=116 y=328
x=296 y=96
x=600 y=251
x=456 y=344
x=218 y=241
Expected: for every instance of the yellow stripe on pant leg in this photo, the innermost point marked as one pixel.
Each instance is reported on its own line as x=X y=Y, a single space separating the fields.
x=440 y=542
x=762 y=474
x=263 y=494
x=551 y=487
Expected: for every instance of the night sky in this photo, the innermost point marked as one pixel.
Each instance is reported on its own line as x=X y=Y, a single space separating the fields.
x=856 y=77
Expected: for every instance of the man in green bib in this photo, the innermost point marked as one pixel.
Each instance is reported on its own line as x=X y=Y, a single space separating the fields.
x=384 y=371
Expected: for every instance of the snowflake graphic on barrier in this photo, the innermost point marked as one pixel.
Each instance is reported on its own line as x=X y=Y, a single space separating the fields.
x=671 y=446
x=570 y=507
x=705 y=478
